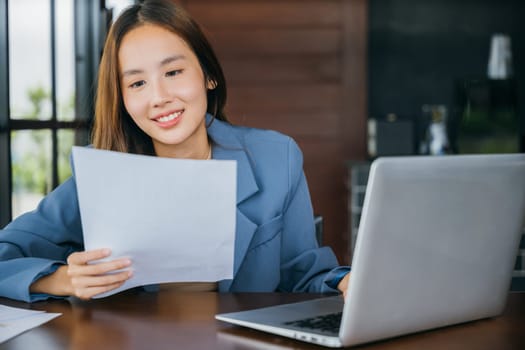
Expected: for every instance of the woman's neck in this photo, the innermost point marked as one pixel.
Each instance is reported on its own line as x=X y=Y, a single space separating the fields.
x=201 y=152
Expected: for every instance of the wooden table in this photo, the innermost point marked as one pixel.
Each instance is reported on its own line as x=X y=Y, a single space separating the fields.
x=176 y=320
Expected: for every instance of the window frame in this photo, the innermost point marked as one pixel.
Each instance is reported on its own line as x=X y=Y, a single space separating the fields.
x=5 y=131
x=90 y=26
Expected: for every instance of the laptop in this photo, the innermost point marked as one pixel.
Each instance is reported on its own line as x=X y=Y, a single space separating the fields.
x=436 y=246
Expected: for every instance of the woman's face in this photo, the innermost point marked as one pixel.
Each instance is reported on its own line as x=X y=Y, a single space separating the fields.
x=164 y=90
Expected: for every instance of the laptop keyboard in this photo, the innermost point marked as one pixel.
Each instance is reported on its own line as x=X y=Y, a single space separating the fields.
x=326 y=323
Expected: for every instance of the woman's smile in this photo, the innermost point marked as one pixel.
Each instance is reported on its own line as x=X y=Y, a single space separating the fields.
x=168 y=120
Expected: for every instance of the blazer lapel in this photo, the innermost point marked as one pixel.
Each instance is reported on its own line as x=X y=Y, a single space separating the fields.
x=227 y=146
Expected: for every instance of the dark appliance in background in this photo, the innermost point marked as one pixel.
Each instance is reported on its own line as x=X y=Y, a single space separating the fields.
x=390 y=136
x=485 y=117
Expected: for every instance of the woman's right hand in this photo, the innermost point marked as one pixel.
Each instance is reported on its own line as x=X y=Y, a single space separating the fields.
x=89 y=277
x=84 y=277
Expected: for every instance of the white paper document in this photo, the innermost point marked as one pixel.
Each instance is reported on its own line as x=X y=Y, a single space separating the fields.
x=14 y=321
x=174 y=218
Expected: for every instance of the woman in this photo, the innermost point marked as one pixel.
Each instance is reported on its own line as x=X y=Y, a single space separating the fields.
x=161 y=92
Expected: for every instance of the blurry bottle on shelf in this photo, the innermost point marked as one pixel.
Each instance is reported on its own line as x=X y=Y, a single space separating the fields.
x=500 y=58
x=435 y=140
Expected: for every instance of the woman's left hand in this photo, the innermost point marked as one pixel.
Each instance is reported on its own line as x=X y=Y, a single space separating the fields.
x=343 y=285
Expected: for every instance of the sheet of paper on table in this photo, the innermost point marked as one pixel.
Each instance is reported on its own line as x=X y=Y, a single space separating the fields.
x=174 y=218
x=15 y=321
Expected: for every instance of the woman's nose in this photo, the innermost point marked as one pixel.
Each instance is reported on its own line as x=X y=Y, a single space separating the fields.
x=160 y=95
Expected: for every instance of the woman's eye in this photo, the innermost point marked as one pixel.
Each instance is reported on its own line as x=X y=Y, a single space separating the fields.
x=137 y=84
x=173 y=73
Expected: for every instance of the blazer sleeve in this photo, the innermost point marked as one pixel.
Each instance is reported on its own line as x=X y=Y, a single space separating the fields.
x=305 y=267
x=37 y=243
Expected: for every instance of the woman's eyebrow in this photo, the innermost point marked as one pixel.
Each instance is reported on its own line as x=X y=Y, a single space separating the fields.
x=131 y=72
x=171 y=59
x=164 y=62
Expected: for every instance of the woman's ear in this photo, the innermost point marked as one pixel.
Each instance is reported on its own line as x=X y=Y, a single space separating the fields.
x=211 y=84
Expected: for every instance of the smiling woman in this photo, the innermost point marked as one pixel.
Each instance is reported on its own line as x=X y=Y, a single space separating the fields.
x=169 y=103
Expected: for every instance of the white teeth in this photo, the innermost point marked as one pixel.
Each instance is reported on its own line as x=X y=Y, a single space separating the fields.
x=167 y=118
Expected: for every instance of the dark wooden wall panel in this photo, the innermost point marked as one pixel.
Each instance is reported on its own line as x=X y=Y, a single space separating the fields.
x=270 y=70
x=267 y=42
x=304 y=110
x=268 y=14
x=298 y=66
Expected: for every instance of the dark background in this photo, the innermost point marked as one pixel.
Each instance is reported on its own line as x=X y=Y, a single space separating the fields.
x=419 y=49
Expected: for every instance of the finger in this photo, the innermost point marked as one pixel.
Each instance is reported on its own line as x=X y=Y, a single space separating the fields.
x=84 y=282
x=99 y=268
x=88 y=293
x=81 y=258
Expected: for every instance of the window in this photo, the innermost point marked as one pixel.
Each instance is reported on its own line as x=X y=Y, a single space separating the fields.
x=49 y=54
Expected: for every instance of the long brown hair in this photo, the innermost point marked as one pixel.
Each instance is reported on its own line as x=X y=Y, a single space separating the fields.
x=113 y=128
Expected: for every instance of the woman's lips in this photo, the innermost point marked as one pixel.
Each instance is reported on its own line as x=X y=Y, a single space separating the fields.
x=169 y=120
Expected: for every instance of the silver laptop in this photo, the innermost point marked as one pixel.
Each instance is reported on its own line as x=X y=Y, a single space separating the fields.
x=436 y=246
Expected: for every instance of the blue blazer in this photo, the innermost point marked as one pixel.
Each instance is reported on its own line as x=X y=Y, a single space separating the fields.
x=275 y=245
